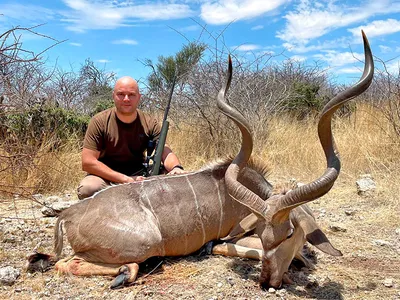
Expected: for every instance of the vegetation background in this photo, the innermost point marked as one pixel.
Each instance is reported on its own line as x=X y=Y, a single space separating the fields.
x=44 y=113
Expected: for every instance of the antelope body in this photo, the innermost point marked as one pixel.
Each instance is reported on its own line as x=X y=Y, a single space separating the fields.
x=177 y=215
x=164 y=216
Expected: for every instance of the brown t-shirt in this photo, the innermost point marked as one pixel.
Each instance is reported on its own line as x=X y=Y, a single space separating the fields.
x=121 y=145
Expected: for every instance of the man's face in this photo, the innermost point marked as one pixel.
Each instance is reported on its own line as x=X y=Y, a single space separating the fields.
x=126 y=97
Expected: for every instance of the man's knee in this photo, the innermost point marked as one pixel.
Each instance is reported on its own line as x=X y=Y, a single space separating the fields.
x=90 y=185
x=85 y=191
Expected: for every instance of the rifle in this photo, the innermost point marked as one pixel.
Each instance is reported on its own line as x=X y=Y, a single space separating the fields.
x=155 y=169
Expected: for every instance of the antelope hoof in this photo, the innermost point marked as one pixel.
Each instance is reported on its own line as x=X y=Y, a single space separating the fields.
x=208 y=248
x=39 y=262
x=122 y=279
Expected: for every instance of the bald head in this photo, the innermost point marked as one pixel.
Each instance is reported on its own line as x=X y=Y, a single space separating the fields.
x=126 y=97
x=126 y=82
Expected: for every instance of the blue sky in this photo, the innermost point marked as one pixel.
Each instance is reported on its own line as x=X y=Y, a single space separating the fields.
x=118 y=34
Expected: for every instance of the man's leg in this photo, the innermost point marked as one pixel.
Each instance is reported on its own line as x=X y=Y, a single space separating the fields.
x=90 y=185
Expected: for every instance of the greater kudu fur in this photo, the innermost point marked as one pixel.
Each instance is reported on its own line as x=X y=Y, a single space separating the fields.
x=177 y=215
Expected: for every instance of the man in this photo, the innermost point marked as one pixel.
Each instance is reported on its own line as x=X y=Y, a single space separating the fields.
x=115 y=141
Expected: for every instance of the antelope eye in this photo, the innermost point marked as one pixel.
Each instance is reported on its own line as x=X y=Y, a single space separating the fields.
x=290 y=233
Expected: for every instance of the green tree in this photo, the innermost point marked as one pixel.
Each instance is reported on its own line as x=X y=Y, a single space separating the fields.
x=179 y=65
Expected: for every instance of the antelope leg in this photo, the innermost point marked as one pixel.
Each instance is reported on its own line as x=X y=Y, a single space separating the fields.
x=247 y=247
x=78 y=266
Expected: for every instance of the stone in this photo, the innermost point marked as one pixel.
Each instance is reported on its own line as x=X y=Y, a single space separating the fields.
x=54 y=209
x=8 y=275
x=350 y=212
x=281 y=292
x=365 y=185
x=51 y=199
x=271 y=290
x=381 y=243
x=388 y=282
x=337 y=228
x=37 y=197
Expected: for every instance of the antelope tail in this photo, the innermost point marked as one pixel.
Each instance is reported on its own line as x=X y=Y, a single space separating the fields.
x=58 y=237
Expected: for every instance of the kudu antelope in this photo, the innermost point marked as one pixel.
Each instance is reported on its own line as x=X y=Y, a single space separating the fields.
x=124 y=225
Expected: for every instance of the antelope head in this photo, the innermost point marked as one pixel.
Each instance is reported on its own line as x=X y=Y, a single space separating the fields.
x=276 y=217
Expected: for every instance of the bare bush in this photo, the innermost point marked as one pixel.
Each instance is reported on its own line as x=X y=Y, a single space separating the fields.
x=41 y=110
x=384 y=94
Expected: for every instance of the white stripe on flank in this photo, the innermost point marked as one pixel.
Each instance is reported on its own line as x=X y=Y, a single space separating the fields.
x=197 y=208
x=143 y=195
x=220 y=207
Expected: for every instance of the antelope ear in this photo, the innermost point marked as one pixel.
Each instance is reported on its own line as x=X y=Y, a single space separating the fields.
x=319 y=240
x=281 y=215
x=244 y=226
x=312 y=232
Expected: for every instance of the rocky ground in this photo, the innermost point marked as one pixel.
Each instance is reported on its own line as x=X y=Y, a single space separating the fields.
x=364 y=227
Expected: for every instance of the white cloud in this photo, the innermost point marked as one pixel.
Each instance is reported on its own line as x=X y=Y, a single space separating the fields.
x=92 y=14
x=268 y=52
x=258 y=27
x=313 y=19
x=298 y=58
x=246 y=47
x=351 y=70
x=225 y=11
x=19 y=12
x=103 y=61
x=125 y=42
x=336 y=59
x=76 y=44
x=378 y=28
x=385 y=49
x=342 y=42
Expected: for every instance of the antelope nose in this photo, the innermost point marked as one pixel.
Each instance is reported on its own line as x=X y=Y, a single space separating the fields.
x=271 y=283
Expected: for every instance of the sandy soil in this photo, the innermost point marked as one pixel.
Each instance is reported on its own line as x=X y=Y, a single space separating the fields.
x=365 y=228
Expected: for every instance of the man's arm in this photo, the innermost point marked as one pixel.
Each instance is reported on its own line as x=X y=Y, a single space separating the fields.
x=92 y=165
x=171 y=161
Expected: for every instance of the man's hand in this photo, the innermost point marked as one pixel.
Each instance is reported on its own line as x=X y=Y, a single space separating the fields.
x=128 y=179
x=176 y=170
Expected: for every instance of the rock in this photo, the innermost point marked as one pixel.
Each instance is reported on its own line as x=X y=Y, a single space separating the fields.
x=381 y=243
x=388 y=282
x=51 y=199
x=8 y=275
x=337 y=228
x=37 y=197
x=271 y=290
x=281 y=292
x=397 y=231
x=230 y=281
x=350 y=212
x=54 y=209
x=365 y=185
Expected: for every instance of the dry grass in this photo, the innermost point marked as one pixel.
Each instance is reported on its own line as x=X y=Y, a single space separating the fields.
x=40 y=170
x=365 y=140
